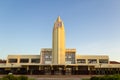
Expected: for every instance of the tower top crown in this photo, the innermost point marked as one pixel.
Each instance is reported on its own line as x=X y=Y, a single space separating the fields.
x=58 y=19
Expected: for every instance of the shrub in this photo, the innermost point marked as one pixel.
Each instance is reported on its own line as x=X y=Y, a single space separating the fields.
x=85 y=79
x=113 y=77
x=94 y=78
x=31 y=79
x=22 y=78
x=4 y=78
x=9 y=77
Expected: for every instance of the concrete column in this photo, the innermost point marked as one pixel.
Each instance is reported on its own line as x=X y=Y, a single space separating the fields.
x=64 y=70
x=27 y=68
x=76 y=70
x=18 y=60
x=86 y=61
x=29 y=60
x=89 y=70
x=52 y=70
x=39 y=67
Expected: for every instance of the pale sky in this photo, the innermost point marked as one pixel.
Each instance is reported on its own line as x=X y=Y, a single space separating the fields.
x=92 y=26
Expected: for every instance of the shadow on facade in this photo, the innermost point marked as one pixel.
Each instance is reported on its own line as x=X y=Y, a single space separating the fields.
x=60 y=70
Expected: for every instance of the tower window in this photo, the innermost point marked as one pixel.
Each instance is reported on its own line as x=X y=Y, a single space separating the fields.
x=46 y=56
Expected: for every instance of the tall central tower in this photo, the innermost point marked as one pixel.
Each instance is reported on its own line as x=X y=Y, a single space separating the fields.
x=58 y=44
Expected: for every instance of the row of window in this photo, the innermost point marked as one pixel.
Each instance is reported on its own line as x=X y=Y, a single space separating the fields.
x=92 y=61
x=67 y=56
x=24 y=60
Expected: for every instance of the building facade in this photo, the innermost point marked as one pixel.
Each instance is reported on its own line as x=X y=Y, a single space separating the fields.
x=59 y=60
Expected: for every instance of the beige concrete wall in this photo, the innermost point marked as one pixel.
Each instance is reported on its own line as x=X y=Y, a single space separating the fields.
x=58 y=46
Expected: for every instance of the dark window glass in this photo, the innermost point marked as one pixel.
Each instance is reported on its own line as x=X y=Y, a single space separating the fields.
x=103 y=61
x=35 y=60
x=92 y=61
x=24 y=60
x=70 y=58
x=81 y=61
x=12 y=60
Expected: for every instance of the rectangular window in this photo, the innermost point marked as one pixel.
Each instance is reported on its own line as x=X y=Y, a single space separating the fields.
x=48 y=62
x=24 y=60
x=92 y=61
x=68 y=62
x=69 y=56
x=50 y=56
x=81 y=61
x=35 y=60
x=12 y=60
x=46 y=56
x=104 y=61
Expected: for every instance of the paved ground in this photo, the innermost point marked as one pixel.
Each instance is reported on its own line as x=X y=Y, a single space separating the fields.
x=57 y=77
